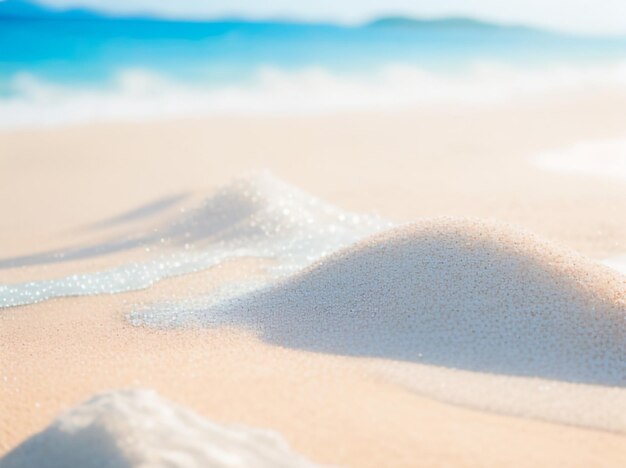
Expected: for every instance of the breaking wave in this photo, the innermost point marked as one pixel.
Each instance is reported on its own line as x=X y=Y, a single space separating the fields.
x=138 y=94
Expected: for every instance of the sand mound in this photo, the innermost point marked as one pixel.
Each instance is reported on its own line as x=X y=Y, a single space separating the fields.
x=463 y=294
x=254 y=216
x=139 y=429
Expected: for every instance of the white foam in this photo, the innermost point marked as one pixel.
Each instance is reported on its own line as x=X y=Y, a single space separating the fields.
x=599 y=158
x=137 y=94
x=139 y=429
x=255 y=216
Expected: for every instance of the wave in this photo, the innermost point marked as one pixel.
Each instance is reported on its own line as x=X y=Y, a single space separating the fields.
x=137 y=94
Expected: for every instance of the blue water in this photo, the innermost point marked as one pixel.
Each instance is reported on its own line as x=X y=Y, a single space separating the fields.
x=93 y=51
x=62 y=67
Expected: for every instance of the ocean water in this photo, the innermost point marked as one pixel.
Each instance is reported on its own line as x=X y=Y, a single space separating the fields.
x=60 y=68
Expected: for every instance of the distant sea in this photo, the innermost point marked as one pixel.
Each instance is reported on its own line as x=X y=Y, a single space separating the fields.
x=67 y=67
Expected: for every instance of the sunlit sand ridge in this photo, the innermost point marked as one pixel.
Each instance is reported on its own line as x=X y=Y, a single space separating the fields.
x=255 y=216
x=464 y=294
x=456 y=293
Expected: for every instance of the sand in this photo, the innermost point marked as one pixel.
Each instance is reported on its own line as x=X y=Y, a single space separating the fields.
x=330 y=409
x=58 y=186
x=452 y=292
x=253 y=216
x=464 y=162
x=118 y=428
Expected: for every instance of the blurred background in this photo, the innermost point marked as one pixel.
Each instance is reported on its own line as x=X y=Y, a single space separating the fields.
x=69 y=61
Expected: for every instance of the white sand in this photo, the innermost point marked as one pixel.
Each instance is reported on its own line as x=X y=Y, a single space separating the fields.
x=465 y=295
x=345 y=410
x=256 y=216
x=139 y=429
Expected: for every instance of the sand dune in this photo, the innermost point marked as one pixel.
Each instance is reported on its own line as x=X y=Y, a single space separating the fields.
x=456 y=293
x=255 y=215
x=139 y=429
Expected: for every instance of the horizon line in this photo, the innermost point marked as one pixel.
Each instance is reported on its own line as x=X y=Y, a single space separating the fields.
x=95 y=14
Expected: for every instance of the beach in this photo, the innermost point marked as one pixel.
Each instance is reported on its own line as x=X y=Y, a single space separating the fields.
x=80 y=188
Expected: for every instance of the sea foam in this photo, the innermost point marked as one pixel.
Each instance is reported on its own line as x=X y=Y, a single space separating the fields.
x=144 y=95
x=140 y=429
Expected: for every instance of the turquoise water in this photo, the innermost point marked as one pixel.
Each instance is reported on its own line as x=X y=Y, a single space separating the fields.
x=94 y=50
x=46 y=57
